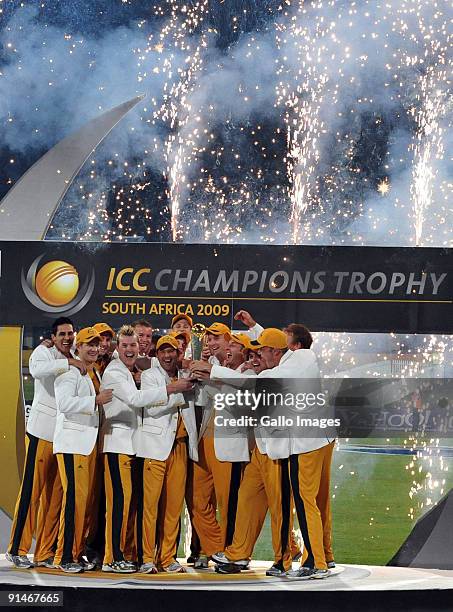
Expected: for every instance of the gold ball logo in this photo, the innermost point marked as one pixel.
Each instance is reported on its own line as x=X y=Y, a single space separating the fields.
x=57 y=283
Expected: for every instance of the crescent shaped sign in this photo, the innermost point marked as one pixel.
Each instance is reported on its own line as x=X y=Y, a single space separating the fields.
x=28 y=208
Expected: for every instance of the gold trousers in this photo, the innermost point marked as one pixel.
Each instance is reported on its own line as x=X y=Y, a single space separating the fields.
x=160 y=505
x=120 y=507
x=219 y=480
x=76 y=474
x=38 y=503
x=265 y=485
x=310 y=476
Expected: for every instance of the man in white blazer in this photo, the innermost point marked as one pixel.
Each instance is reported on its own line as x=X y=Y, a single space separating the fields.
x=226 y=449
x=96 y=510
x=75 y=446
x=166 y=436
x=222 y=451
x=299 y=337
x=267 y=474
x=117 y=434
x=215 y=477
x=41 y=483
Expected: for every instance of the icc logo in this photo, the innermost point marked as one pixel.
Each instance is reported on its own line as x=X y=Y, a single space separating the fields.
x=55 y=288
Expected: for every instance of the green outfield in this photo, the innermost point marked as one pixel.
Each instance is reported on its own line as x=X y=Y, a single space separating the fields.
x=373 y=512
x=27 y=386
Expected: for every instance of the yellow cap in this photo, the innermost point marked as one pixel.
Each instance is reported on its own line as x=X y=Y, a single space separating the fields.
x=104 y=328
x=272 y=337
x=218 y=329
x=185 y=334
x=86 y=335
x=171 y=340
x=178 y=317
x=243 y=339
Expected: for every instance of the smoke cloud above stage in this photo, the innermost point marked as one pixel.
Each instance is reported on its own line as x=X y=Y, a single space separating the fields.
x=302 y=122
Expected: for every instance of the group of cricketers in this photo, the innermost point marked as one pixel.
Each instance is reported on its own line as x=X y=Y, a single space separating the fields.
x=122 y=432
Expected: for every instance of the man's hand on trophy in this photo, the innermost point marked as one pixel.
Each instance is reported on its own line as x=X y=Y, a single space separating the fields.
x=205 y=353
x=200 y=369
x=180 y=386
x=199 y=376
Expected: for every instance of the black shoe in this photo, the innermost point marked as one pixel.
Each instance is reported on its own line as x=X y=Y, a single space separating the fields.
x=220 y=558
x=202 y=563
x=276 y=570
x=93 y=556
x=120 y=567
x=88 y=566
x=228 y=568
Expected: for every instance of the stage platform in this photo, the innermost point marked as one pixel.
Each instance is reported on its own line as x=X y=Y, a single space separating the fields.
x=375 y=588
x=343 y=578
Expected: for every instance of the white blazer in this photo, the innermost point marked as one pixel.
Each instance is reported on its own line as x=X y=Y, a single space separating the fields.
x=122 y=412
x=254 y=331
x=280 y=441
x=157 y=426
x=77 y=426
x=231 y=442
x=45 y=364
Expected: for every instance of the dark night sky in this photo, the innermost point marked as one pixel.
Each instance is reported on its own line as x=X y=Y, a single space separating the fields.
x=241 y=175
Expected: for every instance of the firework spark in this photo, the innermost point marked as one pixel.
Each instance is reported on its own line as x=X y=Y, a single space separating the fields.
x=326 y=98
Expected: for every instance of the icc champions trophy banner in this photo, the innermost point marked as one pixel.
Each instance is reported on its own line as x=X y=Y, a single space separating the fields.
x=361 y=289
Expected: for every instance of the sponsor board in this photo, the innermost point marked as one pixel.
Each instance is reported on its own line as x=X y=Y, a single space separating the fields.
x=362 y=289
